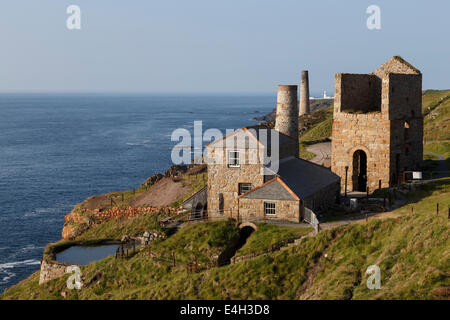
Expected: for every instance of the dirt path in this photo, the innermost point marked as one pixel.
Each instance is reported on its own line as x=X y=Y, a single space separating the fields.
x=321 y=150
x=162 y=193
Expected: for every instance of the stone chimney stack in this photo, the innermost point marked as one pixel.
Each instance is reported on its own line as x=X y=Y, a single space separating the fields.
x=286 y=120
x=304 y=94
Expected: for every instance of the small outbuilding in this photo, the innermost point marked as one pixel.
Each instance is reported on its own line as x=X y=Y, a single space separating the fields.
x=297 y=184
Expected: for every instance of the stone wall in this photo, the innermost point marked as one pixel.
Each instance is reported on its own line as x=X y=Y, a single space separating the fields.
x=391 y=138
x=286 y=120
x=369 y=133
x=223 y=181
x=288 y=210
x=358 y=92
x=51 y=270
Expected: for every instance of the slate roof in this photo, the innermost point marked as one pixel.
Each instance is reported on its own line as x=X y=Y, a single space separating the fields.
x=274 y=189
x=299 y=177
x=258 y=132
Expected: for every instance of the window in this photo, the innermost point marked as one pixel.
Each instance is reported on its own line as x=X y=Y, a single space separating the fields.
x=244 y=187
x=269 y=208
x=233 y=159
x=221 y=203
x=406 y=129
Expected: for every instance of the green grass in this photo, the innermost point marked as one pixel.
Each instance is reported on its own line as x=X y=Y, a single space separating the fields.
x=205 y=241
x=436 y=110
x=195 y=182
x=411 y=250
x=268 y=235
x=441 y=147
x=305 y=154
x=318 y=132
x=117 y=228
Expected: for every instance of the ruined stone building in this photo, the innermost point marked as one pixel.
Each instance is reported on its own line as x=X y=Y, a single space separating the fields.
x=377 y=130
x=242 y=181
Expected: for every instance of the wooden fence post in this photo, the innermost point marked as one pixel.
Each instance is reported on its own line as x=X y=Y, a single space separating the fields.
x=173 y=258
x=412 y=210
x=437 y=208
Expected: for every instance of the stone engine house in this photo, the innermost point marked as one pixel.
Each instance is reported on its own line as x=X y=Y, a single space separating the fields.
x=377 y=130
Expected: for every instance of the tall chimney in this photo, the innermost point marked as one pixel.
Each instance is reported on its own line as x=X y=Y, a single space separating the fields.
x=304 y=94
x=286 y=120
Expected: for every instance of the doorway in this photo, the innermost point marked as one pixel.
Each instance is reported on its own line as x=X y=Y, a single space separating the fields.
x=359 y=177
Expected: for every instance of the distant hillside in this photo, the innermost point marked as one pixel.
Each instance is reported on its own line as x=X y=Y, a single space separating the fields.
x=436 y=111
x=316 y=104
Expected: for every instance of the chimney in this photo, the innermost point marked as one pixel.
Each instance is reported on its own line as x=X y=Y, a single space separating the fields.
x=286 y=120
x=304 y=94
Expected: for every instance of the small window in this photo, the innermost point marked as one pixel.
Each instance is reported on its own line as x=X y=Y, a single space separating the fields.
x=406 y=129
x=269 y=208
x=221 y=203
x=233 y=159
x=244 y=187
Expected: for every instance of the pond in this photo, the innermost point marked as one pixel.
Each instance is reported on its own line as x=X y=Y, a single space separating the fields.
x=83 y=255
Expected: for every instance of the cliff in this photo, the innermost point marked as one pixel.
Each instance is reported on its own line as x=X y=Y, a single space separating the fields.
x=160 y=192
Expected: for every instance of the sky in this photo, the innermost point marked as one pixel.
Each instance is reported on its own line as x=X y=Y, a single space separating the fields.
x=214 y=47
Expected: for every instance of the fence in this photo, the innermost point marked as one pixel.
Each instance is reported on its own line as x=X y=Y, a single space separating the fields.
x=408 y=176
x=310 y=217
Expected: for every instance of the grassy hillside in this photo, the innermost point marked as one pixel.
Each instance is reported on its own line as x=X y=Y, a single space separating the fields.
x=436 y=110
x=412 y=251
x=319 y=129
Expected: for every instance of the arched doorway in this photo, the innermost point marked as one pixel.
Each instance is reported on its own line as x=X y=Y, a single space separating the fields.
x=359 y=176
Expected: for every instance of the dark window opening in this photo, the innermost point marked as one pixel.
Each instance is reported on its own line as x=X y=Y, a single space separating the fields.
x=406 y=131
x=269 y=208
x=221 y=203
x=244 y=187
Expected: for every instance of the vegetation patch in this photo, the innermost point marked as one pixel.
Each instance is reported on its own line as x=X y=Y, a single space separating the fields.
x=117 y=228
x=412 y=251
x=268 y=235
x=201 y=242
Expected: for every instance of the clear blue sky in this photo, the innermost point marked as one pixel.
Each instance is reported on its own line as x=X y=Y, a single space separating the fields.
x=210 y=46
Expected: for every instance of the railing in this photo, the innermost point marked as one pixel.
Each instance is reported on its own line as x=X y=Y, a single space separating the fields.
x=310 y=217
x=126 y=250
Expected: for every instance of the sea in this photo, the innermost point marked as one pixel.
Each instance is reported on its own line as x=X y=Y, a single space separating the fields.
x=58 y=149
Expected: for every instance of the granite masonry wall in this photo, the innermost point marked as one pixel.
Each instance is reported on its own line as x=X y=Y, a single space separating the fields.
x=223 y=181
x=391 y=138
x=288 y=210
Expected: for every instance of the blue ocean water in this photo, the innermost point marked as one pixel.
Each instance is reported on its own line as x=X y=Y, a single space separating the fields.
x=57 y=150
